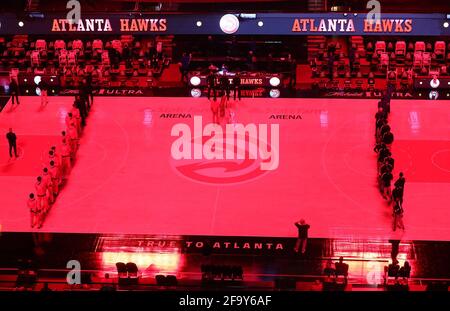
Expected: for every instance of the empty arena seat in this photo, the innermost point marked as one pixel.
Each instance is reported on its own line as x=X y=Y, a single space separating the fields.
x=390 y=47
x=380 y=47
x=171 y=280
x=404 y=81
x=41 y=44
x=105 y=58
x=439 y=49
x=417 y=62
x=392 y=76
x=72 y=58
x=62 y=58
x=35 y=61
x=424 y=71
x=426 y=59
x=117 y=45
x=384 y=59
x=391 y=272
x=160 y=280
x=77 y=45
x=392 y=57
x=121 y=270
x=347 y=85
x=410 y=47
x=341 y=271
x=97 y=44
x=132 y=270
x=408 y=59
x=400 y=48
x=159 y=47
x=419 y=46
x=60 y=44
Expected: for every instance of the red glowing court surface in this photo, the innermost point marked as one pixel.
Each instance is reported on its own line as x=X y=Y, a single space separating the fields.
x=126 y=181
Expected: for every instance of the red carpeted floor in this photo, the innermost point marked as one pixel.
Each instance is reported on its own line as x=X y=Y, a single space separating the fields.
x=126 y=180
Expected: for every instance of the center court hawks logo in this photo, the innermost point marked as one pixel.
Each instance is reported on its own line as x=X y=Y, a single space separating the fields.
x=227 y=154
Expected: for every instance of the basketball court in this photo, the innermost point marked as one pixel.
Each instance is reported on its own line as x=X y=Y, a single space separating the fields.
x=125 y=179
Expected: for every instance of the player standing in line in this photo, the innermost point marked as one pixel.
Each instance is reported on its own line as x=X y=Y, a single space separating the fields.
x=212 y=86
x=41 y=192
x=69 y=119
x=386 y=180
x=73 y=136
x=390 y=160
x=56 y=177
x=77 y=118
x=400 y=183
x=81 y=106
x=52 y=156
x=34 y=211
x=44 y=92
x=72 y=133
x=47 y=180
x=223 y=105
x=388 y=139
x=63 y=136
x=398 y=217
x=385 y=167
x=215 y=111
x=225 y=84
x=383 y=153
x=396 y=193
x=88 y=91
x=66 y=154
x=84 y=97
x=237 y=87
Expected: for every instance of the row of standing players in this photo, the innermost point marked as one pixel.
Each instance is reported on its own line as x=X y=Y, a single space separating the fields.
x=385 y=164
x=222 y=82
x=59 y=162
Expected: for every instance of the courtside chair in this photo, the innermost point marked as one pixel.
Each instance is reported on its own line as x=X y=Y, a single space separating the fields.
x=419 y=46
x=121 y=270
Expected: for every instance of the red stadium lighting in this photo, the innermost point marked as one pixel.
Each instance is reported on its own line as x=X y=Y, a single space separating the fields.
x=195 y=81
x=274 y=81
x=196 y=93
x=274 y=93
